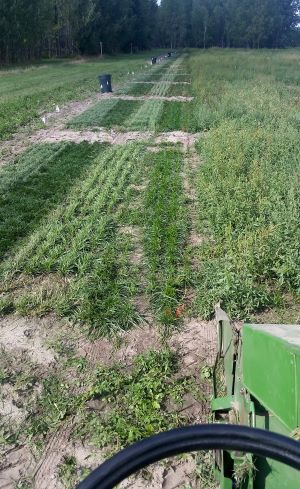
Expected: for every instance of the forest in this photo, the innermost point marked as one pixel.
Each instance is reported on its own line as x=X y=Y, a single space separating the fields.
x=54 y=28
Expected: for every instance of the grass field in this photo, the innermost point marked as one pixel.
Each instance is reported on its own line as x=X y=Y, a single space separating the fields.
x=114 y=255
x=26 y=91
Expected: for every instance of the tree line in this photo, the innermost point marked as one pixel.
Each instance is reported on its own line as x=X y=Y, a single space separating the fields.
x=48 y=28
x=229 y=23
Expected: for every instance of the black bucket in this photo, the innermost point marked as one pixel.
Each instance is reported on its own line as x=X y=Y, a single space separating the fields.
x=105 y=83
x=153 y=60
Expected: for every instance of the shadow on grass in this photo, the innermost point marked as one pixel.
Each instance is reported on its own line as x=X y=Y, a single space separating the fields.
x=36 y=184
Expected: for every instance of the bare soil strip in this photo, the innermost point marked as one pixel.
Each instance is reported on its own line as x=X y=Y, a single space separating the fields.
x=177 y=98
x=55 y=135
x=22 y=139
x=157 y=82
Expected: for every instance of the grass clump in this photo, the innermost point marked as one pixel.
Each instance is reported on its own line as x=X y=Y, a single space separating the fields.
x=165 y=231
x=182 y=77
x=147 y=116
x=179 y=90
x=138 y=89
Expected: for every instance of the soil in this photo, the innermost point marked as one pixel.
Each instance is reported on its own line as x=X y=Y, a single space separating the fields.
x=185 y=138
x=55 y=135
x=22 y=139
x=160 y=81
x=24 y=335
x=178 y=98
x=196 y=342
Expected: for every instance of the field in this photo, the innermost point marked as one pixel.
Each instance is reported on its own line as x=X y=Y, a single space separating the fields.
x=124 y=220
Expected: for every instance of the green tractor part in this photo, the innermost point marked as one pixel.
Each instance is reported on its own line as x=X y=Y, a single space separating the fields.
x=257 y=384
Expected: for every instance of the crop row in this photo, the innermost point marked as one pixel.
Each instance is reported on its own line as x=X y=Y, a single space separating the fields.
x=165 y=232
x=79 y=249
x=35 y=184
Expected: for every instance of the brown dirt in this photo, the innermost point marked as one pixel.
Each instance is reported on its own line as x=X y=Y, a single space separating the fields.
x=169 y=474
x=45 y=475
x=22 y=139
x=55 y=135
x=16 y=464
x=185 y=138
x=163 y=81
x=19 y=334
x=178 y=98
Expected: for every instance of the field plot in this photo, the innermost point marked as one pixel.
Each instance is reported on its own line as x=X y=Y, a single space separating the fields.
x=180 y=89
x=157 y=115
x=107 y=113
x=137 y=89
x=114 y=255
x=26 y=91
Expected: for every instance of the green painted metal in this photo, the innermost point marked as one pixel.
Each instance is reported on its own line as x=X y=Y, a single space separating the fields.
x=271 y=369
x=222 y=403
x=262 y=383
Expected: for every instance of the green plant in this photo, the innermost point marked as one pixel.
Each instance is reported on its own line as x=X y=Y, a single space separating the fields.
x=79 y=248
x=107 y=113
x=36 y=183
x=135 y=400
x=25 y=93
x=165 y=231
x=68 y=472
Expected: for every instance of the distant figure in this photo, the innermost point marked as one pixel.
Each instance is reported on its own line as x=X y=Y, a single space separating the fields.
x=43 y=119
x=57 y=109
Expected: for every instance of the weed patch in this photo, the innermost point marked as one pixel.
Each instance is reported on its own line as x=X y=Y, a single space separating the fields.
x=249 y=202
x=136 y=401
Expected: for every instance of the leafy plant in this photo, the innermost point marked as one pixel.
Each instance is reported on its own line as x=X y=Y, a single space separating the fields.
x=135 y=401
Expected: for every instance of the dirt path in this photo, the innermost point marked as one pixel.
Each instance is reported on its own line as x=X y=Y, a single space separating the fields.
x=157 y=82
x=177 y=98
x=55 y=135
x=56 y=120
